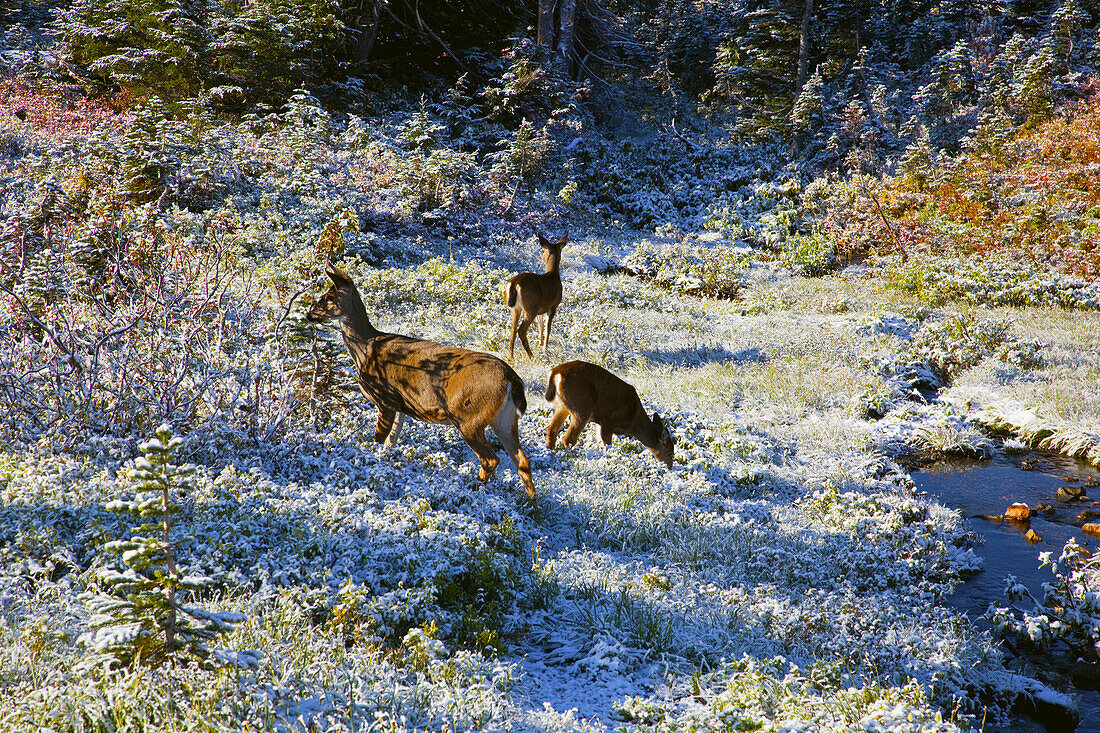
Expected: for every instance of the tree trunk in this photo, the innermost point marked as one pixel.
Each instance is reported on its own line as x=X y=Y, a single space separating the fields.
x=803 y=48
x=565 y=33
x=367 y=22
x=545 y=36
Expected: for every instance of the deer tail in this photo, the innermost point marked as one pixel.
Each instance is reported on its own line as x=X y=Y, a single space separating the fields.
x=519 y=396
x=551 y=388
x=510 y=294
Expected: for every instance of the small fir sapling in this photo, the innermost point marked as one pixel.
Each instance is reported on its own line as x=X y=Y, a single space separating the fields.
x=141 y=617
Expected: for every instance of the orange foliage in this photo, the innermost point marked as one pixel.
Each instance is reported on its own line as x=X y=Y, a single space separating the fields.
x=1036 y=197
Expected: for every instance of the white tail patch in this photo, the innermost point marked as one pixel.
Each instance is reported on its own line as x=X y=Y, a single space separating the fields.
x=507 y=413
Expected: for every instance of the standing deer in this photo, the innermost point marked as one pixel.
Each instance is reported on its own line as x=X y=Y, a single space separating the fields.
x=403 y=376
x=529 y=295
x=586 y=392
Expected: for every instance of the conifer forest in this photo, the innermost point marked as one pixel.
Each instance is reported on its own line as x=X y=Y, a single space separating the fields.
x=306 y=307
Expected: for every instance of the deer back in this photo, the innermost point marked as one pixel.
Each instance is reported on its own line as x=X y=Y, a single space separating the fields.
x=593 y=393
x=596 y=394
x=432 y=381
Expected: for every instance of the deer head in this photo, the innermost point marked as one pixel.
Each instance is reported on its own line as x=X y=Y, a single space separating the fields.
x=665 y=442
x=551 y=251
x=337 y=301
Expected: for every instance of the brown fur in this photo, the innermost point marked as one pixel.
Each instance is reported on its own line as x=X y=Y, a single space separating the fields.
x=528 y=295
x=588 y=393
x=403 y=375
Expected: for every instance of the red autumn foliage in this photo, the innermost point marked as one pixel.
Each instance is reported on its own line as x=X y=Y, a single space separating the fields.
x=1035 y=197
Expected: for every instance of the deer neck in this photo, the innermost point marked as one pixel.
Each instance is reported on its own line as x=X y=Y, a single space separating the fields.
x=553 y=264
x=355 y=325
x=642 y=428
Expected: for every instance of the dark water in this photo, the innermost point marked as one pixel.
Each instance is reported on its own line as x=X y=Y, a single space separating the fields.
x=987 y=488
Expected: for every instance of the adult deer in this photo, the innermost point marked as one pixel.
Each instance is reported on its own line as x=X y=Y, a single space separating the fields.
x=529 y=295
x=588 y=393
x=403 y=376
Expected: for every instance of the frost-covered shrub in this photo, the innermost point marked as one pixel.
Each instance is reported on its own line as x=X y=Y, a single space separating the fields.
x=846 y=213
x=437 y=179
x=1068 y=614
x=756 y=694
x=952 y=436
x=716 y=272
x=1042 y=431
x=993 y=281
x=521 y=155
x=808 y=255
x=872 y=404
x=526 y=88
x=957 y=342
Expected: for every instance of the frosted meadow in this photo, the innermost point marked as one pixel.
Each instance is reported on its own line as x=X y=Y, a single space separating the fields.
x=782 y=576
x=156 y=265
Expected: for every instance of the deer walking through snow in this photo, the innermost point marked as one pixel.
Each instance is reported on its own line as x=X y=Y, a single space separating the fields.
x=403 y=376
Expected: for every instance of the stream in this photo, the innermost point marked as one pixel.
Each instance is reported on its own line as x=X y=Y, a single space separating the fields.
x=980 y=488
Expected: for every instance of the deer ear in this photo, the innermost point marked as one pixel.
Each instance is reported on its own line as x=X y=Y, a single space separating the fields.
x=338 y=276
x=543 y=241
x=564 y=239
x=658 y=422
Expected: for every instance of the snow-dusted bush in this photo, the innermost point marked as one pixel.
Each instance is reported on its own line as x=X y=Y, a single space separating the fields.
x=993 y=281
x=1068 y=614
x=957 y=342
x=716 y=272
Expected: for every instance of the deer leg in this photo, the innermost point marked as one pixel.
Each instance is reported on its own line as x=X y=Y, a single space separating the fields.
x=384 y=425
x=555 y=425
x=395 y=431
x=523 y=336
x=606 y=435
x=512 y=339
x=475 y=438
x=542 y=338
x=549 y=319
x=507 y=429
x=573 y=434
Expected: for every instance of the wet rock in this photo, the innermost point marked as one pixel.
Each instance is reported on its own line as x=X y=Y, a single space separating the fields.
x=991 y=517
x=1042 y=509
x=1087 y=515
x=1029 y=464
x=1050 y=712
x=1091 y=482
x=1018 y=512
x=1092 y=529
x=1071 y=479
x=1070 y=492
x=1033 y=537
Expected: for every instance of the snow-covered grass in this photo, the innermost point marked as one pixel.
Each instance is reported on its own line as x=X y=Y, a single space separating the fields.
x=783 y=574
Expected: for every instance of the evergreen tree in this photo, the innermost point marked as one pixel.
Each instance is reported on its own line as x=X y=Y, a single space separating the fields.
x=141 y=619
x=269 y=48
x=757 y=66
x=143 y=46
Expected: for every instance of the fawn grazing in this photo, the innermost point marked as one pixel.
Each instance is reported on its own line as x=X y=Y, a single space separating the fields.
x=529 y=295
x=403 y=375
x=586 y=392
